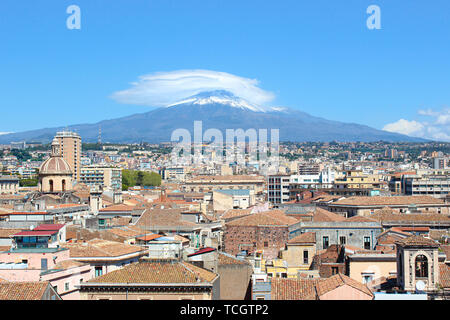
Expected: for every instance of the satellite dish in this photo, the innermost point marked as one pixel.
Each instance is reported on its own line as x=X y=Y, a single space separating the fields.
x=420 y=286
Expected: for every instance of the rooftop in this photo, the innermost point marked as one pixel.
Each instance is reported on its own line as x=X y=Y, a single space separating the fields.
x=416 y=240
x=268 y=218
x=388 y=201
x=339 y=280
x=304 y=238
x=98 y=248
x=157 y=272
x=23 y=290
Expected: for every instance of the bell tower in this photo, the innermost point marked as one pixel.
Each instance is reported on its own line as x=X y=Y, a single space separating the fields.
x=417 y=263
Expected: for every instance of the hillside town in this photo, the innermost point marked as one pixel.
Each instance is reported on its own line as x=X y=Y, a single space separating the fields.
x=351 y=221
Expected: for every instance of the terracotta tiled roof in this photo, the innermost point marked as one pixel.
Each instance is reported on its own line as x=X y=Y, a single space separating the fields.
x=5 y=233
x=416 y=240
x=227 y=259
x=388 y=215
x=235 y=213
x=339 y=280
x=120 y=221
x=157 y=272
x=163 y=218
x=361 y=219
x=446 y=250
x=101 y=248
x=268 y=218
x=294 y=289
x=307 y=237
x=127 y=231
x=23 y=290
x=150 y=237
x=69 y=264
x=389 y=201
x=391 y=235
x=444 y=275
x=322 y=215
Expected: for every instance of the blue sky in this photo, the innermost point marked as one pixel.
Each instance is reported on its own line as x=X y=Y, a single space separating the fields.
x=316 y=56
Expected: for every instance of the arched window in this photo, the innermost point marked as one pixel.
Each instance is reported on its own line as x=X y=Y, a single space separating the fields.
x=64 y=185
x=421 y=266
x=51 y=185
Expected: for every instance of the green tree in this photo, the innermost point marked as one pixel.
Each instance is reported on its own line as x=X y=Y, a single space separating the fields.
x=28 y=182
x=131 y=178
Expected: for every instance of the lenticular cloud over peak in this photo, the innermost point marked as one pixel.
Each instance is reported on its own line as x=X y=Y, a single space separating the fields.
x=161 y=89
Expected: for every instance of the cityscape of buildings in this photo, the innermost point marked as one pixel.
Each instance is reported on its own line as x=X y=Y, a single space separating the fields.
x=352 y=221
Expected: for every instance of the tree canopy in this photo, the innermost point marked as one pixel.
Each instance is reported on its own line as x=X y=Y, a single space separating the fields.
x=131 y=178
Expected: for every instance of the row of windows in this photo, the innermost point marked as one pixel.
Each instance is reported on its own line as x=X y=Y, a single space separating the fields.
x=343 y=241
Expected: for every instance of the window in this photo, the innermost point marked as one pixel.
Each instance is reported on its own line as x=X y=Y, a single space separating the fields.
x=260 y=298
x=334 y=270
x=342 y=240
x=98 y=271
x=325 y=242
x=43 y=264
x=367 y=243
x=367 y=278
x=66 y=286
x=266 y=244
x=421 y=266
x=305 y=257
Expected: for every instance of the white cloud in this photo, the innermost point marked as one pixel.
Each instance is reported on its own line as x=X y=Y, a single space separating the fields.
x=164 y=88
x=436 y=129
x=405 y=127
x=3 y=133
x=427 y=112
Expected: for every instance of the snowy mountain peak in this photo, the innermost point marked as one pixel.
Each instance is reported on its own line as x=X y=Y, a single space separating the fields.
x=220 y=97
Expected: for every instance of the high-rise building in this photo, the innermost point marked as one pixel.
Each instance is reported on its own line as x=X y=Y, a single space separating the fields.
x=70 y=144
x=441 y=163
x=278 y=188
x=106 y=177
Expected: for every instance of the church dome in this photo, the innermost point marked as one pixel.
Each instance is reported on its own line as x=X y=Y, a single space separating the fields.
x=55 y=166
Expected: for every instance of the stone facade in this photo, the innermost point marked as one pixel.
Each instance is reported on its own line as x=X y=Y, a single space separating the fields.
x=269 y=239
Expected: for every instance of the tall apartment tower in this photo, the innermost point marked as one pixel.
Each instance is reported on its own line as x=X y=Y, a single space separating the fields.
x=70 y=143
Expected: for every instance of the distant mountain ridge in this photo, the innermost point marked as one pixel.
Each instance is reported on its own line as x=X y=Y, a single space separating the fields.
x=216 y=109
